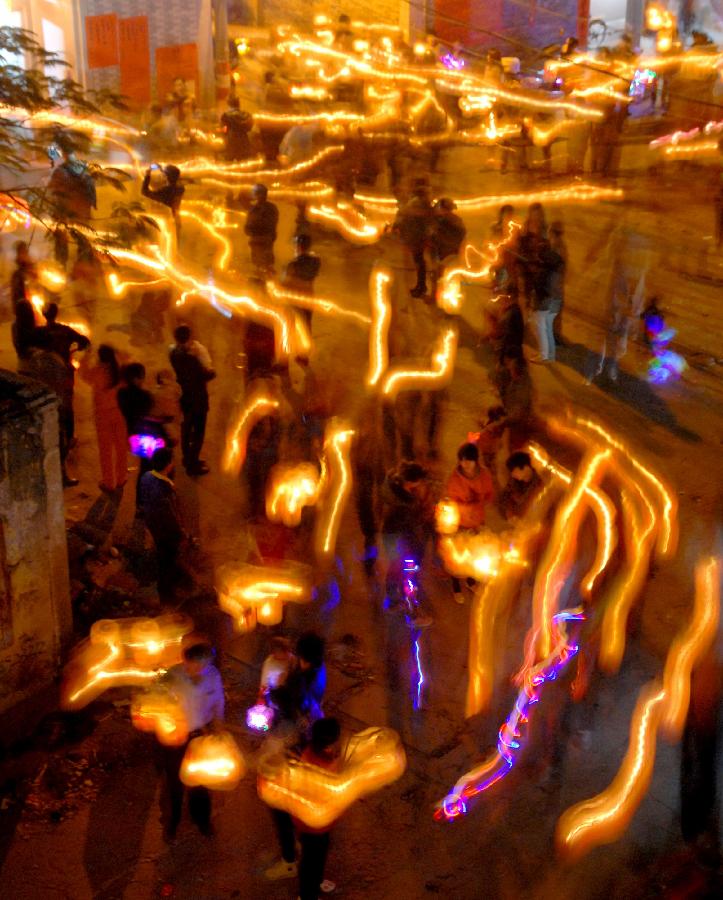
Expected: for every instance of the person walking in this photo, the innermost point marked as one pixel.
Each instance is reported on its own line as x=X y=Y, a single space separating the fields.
x=261 y=224
x=470 y=487
x=236 y=125
x=23 y=275
x=158 y=505
x=447 y=235
x=23 y=331
x=110 y=426
x=307 y=683
x=136 y=404
x=192 y=364
x=324 y=752
x=196 y=684
x=413 y=224
x=64 y=341
x=169 y=194
x=301 y=272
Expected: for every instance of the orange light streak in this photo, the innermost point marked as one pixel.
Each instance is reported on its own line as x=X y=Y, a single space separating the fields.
x=443 y=358
x=291 y=487
x=319 y=304
x=337 y=444
x=667 y=535
x=117 y=655
x=602 y=506
x=603 y=818
x=690 y=646
x=259 y=404
x=379 y=285
x=556 y=562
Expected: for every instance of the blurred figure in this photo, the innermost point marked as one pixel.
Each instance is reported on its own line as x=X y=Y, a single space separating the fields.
x=196 y=682
x=522 y=486
x=515 y=388
x=23 y=330
x=261 y=224
x=448 y=229
x=236 y=124
x=299 y=144
x=407 y=515
x=276 y=668
x=110 y=426
x=64 y=341
x=192 y=364
x=167 y=404
x=301 y=272
x=162 y=131
x=501 y=227
x=413 y=224
x=323 y=751
x=23 y=275
x=367 y=459
x=71 y=188
x=470 y=486
x=507 y=326
x=170 y=194
x=489 y=438
x=307 y=682
x=159 y=507
x=136 y=405
x=532 y=242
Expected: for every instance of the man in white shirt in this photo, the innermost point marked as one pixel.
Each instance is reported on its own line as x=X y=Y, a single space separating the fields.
x=196 y=683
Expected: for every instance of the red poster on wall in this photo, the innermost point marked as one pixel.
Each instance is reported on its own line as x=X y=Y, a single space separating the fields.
x=101 y=35
x=451 y=20
x=135 y=59
x=180 y=61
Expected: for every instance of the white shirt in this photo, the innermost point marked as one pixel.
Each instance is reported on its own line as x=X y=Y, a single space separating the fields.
x=274 y=672
x=201 y=700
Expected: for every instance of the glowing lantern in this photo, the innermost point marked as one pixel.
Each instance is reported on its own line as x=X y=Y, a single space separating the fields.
x=258 y=593
x=213 y=761
x=290 y=489
x=446 y=517
x=373 y=758
x=122 y=653
x=471 y=554
x=51 y=276
x=159 y=712
x=259 y=717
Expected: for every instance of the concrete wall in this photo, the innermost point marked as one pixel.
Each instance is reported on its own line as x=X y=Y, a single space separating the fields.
x=35 y=613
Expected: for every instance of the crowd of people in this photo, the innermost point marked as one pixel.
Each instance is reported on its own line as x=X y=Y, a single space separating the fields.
x=397 y=488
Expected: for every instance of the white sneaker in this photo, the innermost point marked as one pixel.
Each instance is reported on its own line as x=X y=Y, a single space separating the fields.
x=327 y=887
x=281 y=869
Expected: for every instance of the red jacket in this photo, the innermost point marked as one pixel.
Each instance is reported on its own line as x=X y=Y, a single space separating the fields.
x=471 y=495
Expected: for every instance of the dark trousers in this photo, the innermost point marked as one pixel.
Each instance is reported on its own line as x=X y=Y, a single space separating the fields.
x=314 y=850
x=285 y=832
x=193 y=431
x=169 y=571
x=199 y=798
x=421 y=266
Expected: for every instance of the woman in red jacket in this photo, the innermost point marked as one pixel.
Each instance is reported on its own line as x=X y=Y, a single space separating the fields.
x=470 y=486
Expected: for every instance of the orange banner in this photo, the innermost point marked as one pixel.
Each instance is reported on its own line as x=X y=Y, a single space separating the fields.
x=101 y=35
x=135 y=59
x=180 y=61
